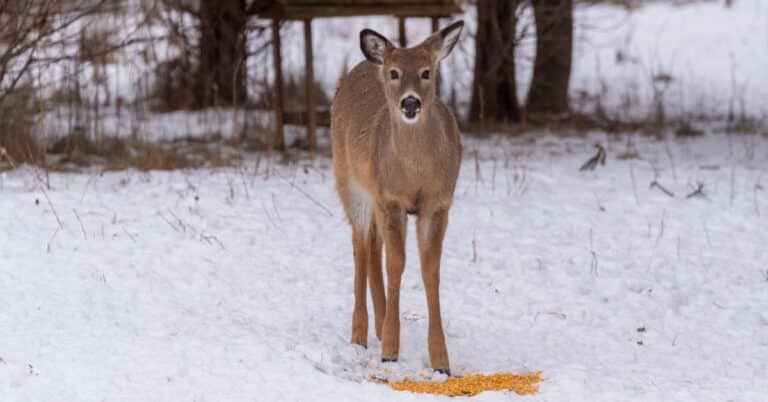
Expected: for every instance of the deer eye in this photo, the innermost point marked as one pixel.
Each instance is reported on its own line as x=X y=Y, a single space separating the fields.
x=393 y=74
x=425 y=75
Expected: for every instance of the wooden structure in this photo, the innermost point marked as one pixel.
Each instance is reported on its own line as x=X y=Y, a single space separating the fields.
x=306 y=10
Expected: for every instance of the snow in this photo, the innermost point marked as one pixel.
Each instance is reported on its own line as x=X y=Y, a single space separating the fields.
x=714 y=56
x=236 y=284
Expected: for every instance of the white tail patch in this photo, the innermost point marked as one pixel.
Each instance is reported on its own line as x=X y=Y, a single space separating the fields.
x=360 y=207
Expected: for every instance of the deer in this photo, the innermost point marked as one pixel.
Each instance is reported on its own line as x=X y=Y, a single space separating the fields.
x=396 y=151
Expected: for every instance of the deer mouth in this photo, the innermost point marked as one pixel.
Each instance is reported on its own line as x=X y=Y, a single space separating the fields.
x=410 y=107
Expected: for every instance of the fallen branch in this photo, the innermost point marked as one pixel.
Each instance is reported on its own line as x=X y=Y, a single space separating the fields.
x=698 y=192
x=656 y=184
x=599 y=158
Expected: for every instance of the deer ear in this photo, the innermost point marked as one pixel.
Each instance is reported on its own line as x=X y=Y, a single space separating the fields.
x=374 y=46
x=443 y=41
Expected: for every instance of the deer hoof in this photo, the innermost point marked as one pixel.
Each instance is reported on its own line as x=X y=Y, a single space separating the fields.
x=445 y=371
x=388 y=359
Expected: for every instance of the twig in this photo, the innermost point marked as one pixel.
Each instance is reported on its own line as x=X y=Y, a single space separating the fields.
x=208 y=239
x=4 y=154
x=634 y=183
x=598 y=158
x=304 y=193
x=45 y=193
x=274 y=208
x=82 y=227
x=661 y=227
x=478 y=177
x=181 y=222
x=698 y=192
x=245 y=185
x=269 y=217
x=671 y=160
x=133 y=238
x=733 y=184
x=656 y=184
x=493 y=177
x=90 y=179
x=175 y=229
x=706 y=233
x=50 y=241
x=593 y=262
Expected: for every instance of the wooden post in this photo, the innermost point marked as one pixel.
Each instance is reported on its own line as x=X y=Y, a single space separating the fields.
x=401 y=31
x=435 y=28
x=278 y=142
x=309 y=79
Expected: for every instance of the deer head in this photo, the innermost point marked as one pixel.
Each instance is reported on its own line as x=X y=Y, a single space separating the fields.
x=408 y=74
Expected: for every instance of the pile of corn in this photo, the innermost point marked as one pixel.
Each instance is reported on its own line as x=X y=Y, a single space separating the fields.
x=474 y=384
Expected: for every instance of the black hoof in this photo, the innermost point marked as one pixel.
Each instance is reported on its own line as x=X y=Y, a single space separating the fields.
x=388 y=360
x=445 y=371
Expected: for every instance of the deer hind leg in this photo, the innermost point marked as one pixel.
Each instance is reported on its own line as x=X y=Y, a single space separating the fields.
x=376 y=279
x=431 y=231
x=391 y=221
x=360 y=313
x=358 y=205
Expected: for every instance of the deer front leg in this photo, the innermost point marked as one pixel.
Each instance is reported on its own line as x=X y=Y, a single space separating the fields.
x=392 y=220
x=376 y=280
x=360 y=247
x=431 y=231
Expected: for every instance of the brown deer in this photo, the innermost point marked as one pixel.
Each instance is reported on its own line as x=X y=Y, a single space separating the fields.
x=396 y=151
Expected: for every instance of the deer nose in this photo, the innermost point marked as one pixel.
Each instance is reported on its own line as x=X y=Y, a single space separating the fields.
x=410 y=106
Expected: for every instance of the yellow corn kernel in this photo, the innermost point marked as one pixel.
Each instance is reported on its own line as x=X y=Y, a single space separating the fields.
x=474 y=384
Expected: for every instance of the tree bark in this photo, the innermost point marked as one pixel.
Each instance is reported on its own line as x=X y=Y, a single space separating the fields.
x=548 y=94
x=221 y=74
x=494 y=90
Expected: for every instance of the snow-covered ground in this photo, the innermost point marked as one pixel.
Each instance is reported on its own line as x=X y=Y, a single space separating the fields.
x=236 y=284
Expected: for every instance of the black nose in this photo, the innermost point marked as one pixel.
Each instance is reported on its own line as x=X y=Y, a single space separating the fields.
x=410 y=106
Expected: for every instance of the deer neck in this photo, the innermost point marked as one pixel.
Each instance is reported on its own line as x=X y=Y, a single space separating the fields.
x=406 y=138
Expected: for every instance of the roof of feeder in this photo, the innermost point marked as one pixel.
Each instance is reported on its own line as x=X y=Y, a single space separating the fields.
x=302 y=9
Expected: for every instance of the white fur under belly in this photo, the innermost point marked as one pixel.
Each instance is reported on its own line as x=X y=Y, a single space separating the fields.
x=360 y=207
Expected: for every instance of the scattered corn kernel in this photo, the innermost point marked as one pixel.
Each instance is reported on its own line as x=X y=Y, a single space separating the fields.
x=474 y=384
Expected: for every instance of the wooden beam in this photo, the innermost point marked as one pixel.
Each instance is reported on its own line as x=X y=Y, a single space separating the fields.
x=296 y=12
x=436 y=27
x=278 y=141
x=309 y=79
x=401 y=31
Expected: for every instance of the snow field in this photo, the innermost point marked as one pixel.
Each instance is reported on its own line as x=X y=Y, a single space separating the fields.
x=236 y=284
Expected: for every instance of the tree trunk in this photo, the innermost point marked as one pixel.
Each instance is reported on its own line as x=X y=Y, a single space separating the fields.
x=221 y=74
x=494 y=91
x=548 y=95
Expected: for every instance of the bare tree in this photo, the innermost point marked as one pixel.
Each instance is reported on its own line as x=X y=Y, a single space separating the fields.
x=221 y=73
x=494 y=90
x=26 y=28
x=548 y=94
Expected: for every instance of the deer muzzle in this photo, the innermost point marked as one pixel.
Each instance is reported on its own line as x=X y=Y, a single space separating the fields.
x=410 y=106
